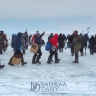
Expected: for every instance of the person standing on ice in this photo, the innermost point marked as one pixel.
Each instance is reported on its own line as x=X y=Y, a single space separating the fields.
x=50 y=36
x=1 y=42
x=38 y=40
x=17 y=48
x=70 y=39
x=61 y=42
x=23 y=42
x=76 y=45
x=53 y=50
x=1 y=66
x=92 y=45
x=95 y=43
x=82 y=44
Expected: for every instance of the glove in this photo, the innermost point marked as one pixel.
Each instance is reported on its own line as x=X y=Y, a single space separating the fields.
x=20 y=48
x=44 y=32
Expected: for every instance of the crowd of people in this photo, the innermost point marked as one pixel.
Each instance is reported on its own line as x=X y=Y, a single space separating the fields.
x=19 y=42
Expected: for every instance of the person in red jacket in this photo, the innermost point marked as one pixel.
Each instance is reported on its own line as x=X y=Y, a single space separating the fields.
x=53 y=50
x=33 y=38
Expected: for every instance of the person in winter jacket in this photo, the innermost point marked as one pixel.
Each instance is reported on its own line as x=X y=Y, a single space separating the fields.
x=1 y=42
x=82 y=44
x=38 y=40
x=70 y=39
x=51 y=35
x=2 y=32
x=53 y=50
x=23 y=42
x=13 y=41
x=95 y=44
x=86 y=39
x=17 y=48
x=61 y=42
x=5 y=42
x=30 y=39
x=92 y=44
x=65 y=40
x=76 y=45
x=27 y=41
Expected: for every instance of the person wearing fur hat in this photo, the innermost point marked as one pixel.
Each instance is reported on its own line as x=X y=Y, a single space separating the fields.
x=17 y=48
x=53 y=50
x=76 y=45
x=38 y=40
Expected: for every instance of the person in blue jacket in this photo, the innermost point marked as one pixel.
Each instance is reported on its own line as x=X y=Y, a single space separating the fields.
x=17 y=49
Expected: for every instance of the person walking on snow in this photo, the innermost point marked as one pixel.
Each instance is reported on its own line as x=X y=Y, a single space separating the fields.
x=53 y=50
x=17 y=49
x=38 y=40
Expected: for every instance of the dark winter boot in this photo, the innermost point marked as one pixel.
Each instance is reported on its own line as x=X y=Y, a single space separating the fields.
x=76 y=58
x=81 y=54
x=2 y=66
x=92 y=52
x=22 y=61
x=72 y=54
x=56 y=58
x=1 y=52
x=4 y=50
x=33 y=60
x=37 y=60
x=49 y=61
x=10 y=62
x=60 y=50
x=57 y=61
x=23 y=51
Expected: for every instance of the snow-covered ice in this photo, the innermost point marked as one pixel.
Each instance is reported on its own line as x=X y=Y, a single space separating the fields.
x=63 y=79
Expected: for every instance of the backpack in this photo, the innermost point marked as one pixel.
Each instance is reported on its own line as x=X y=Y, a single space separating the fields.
x=48 y=46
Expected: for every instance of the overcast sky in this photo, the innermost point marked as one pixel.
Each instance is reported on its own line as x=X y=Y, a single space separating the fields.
x=50 y=15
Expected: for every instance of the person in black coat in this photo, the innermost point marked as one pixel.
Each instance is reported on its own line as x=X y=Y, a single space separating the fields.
x=70 y=39
x=82 y=44
x=92 y=44
x=1 y=43
x=51 y=35
x=95 y=44
x=61 y=42
x=30 y=39
x=86 y=38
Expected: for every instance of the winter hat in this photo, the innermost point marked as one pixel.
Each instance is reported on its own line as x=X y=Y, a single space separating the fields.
x=56 y=36
x=19 y=34
x=37 y=32
x=76 y=31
